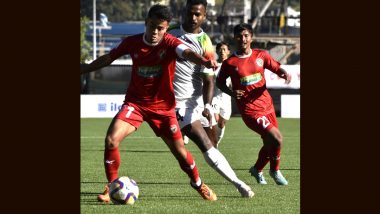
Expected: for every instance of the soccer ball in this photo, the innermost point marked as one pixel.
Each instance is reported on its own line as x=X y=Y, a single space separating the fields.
x=124 y=190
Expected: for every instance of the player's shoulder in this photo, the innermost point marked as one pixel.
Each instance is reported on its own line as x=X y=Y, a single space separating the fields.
x=135 y=37
x=231 y=58
x=259 y=52
x=169 y=37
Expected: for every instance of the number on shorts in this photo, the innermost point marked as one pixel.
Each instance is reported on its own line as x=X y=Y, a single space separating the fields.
x=130 y=109
x=264 y=120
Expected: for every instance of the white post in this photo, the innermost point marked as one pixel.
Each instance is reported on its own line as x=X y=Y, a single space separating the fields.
x=94 y=30
x=261 y=13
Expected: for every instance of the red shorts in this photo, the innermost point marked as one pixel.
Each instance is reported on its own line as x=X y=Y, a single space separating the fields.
x=260 y=123
x=163 y=123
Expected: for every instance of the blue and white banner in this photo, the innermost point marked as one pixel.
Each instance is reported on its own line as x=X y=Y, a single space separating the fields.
x=100 y=106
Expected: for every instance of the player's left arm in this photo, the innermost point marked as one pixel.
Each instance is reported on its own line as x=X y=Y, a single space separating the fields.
x=285 y=75
x=274 y=66
x=193 y=57
x=208 y=78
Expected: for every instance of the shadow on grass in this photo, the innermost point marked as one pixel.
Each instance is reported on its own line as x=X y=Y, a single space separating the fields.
x=126 y=150
x=160 y=183
x=282 y=169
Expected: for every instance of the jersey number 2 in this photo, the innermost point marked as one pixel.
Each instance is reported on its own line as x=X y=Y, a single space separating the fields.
x=264 y=121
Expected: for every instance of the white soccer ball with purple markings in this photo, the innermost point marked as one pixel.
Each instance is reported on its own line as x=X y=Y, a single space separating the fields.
x=124 y=190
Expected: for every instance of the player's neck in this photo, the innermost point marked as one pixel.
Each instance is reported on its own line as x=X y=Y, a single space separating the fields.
x=149 y=43
x=244 y=52
x=188 y=29
x=220 y=60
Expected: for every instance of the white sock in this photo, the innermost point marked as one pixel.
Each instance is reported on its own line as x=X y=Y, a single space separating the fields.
x=220 y=134
x=185 y=139
x=218 y=162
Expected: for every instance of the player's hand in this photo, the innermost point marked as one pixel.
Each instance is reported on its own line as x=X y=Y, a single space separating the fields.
x=238 y=94
x=287 y=77
x=211 y=64
x=208 y=113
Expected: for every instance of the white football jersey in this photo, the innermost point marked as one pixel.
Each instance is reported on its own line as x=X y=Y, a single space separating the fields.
x=188 y=81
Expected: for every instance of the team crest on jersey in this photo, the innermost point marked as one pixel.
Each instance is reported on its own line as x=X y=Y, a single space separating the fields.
x=173 y=128
x=260 y=62
x=162 y=54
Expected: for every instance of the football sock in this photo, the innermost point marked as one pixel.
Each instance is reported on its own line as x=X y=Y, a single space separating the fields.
x=263 y=158
x=217 y=161
x=220 y=134
x=274 y=153
x=111 y=163
x=191 y=169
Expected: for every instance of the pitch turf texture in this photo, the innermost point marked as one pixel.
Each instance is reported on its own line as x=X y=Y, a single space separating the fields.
x=164 y=187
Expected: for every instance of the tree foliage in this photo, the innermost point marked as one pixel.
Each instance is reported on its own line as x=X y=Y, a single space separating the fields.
x=85 y=46
x=115 y=10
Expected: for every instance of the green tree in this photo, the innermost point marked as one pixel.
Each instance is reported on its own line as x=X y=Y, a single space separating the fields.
x=85 y=46
x=116 y=10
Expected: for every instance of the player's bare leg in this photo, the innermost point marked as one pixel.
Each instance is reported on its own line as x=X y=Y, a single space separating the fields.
x=188 y=165
x=117 y=131
x=221 y=127
x=214 y=157
x=212 y=135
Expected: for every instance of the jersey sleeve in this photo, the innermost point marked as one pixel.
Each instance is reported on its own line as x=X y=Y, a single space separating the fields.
x=122 y=49
x=172 y=41
x=270 y=63
x=208 y=53
x=223 y=74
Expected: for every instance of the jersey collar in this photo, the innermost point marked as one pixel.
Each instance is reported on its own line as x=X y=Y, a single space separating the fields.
x=243 y=56
x=150 y=44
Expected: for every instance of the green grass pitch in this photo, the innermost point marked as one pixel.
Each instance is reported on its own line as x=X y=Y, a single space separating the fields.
x=164 y=187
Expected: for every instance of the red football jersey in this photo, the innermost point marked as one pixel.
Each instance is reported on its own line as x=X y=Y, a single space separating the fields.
x=247 y=73
x=152 y=71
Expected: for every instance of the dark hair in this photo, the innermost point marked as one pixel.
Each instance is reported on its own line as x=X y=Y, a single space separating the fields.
x=195 y=2
x=241 y=27
x=219 y=45
x=161 y=12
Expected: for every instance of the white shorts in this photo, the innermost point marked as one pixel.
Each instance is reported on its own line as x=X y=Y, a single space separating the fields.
x=222 y=105
x=186 y=116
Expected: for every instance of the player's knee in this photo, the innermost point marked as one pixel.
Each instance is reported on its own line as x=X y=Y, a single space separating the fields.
x=111 y=142
x=278 y=140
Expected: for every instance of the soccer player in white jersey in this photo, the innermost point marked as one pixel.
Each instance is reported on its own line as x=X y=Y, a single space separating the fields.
x=221 y=101
x=193 y=88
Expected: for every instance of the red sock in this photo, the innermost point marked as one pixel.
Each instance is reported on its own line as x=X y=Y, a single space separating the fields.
x=111 y=163
x=190 y=168
x=274 y=153
x=263 y=158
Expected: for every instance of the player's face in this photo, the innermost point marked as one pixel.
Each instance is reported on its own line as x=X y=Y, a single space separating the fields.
x=194 y=17
x=155 y=30
x=223 y=52
x=243 y=40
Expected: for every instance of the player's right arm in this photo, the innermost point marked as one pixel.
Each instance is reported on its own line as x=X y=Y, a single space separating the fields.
x=98 y=63
x=186 y=53
x=222 y=85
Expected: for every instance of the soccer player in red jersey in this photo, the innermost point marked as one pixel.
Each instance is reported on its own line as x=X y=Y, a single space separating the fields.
x=246 y=70
x=150 y=95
